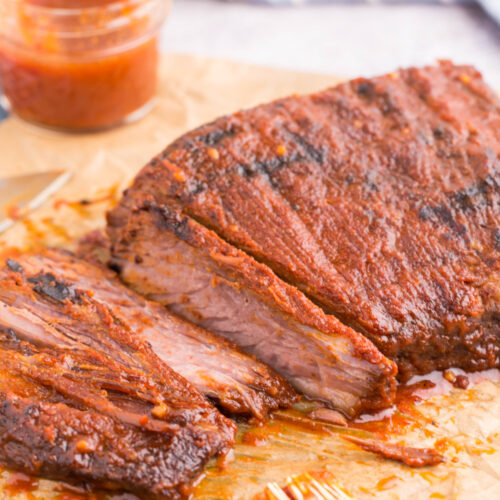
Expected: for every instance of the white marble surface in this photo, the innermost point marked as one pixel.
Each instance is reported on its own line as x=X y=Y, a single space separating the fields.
x=347 y=40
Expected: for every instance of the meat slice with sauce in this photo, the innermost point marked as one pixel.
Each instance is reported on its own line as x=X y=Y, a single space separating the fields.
x=236 y=382
x=199 y=276
x=81 y=399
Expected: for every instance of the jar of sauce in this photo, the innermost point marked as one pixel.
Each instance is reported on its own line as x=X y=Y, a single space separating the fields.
x=80 y=65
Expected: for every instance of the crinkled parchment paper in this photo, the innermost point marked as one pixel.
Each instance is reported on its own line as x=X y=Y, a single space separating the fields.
x=463 y=424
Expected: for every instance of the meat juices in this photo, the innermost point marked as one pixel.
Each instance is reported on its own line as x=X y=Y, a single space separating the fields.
x=378 y=199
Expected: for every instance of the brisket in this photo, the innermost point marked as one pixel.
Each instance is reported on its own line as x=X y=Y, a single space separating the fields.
x=378 y=199
x=181 y=264
x=236 y=382
x=83 y=399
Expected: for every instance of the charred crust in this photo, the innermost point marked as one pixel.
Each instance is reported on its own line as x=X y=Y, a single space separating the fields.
x=214 y=137
x=267 y=168
x=47 y=284
x=365 y=89
x=425 y=213
x=349 y=179
x=170 y=220
x=388 y=105
x=14 y=266
x=246 y=170
x=475 y=196
x=195 y=187
x=369 y=183
x=115 y=265
x=317 y=155
x=440 y=133
x=496 y=240
x=441 y=214
x=444 y=215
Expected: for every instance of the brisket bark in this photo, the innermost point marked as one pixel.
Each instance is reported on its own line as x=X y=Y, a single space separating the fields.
x=83 y=399
x=378 y=199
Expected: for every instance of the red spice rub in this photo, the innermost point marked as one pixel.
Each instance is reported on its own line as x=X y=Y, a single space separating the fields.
x=379 y=199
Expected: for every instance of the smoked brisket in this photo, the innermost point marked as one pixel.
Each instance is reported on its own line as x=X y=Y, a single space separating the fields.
x=378 y=199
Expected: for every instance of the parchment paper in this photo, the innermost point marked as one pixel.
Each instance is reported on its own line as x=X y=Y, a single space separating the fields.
x=465 y=424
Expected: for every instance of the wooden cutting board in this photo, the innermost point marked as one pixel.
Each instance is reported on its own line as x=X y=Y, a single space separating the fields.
x=464 y=425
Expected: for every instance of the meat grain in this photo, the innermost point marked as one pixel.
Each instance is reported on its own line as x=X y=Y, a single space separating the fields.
x=236 y=382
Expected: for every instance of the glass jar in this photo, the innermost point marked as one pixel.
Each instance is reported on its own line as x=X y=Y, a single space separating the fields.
x=80 y=64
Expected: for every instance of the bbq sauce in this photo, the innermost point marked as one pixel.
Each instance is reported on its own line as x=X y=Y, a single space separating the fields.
x=20 y=483
x=89 y=65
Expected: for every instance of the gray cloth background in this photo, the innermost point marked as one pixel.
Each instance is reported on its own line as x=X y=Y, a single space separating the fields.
x=492 y=7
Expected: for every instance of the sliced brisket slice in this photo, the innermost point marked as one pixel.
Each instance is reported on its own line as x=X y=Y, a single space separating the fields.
x=379 y=199
x=238 y=383
x=181 y=264
x=82 y=399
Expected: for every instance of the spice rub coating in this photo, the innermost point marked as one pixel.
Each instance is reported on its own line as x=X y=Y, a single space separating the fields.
x=379 y=199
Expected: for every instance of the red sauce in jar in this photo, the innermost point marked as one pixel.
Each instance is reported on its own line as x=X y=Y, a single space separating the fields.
x=87 y=74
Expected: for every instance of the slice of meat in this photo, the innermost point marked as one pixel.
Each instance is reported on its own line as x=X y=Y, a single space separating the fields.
x=82 y=399
x=330 y=416
x=413 y=457
x=176 y=261
x=238 y=383
x=379 y=199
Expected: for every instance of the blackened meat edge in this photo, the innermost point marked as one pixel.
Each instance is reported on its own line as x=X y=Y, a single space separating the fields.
x=82 y=399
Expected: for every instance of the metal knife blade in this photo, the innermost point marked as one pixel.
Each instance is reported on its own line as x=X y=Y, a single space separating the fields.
x=19 y=195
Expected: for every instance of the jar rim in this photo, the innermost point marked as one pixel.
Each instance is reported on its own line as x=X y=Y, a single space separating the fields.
x=113 y=6
x=102 y=33
x=79 y=23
